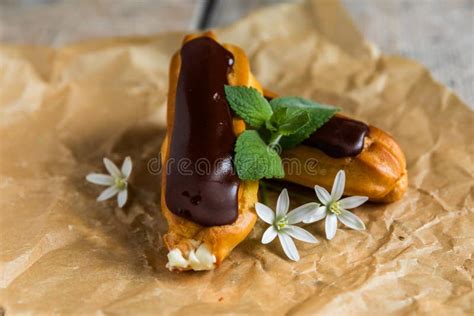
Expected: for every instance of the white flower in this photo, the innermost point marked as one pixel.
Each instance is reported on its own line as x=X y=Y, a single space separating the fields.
x=335 y=209
x=282 y=224
x=117 y=181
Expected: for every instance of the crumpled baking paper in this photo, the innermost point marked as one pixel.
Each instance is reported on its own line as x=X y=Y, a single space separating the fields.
x=62 y=110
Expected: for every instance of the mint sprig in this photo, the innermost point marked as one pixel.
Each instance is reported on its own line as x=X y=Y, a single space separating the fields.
x=283 y=122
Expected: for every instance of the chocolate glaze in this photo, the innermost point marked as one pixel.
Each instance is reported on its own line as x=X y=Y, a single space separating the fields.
x=339 y=137
x=204 y=188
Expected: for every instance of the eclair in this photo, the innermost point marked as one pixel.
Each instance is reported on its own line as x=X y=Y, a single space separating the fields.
x=374 y=163
x=209 y=210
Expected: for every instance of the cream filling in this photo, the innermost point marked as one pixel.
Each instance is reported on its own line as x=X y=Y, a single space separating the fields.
x=199 y=260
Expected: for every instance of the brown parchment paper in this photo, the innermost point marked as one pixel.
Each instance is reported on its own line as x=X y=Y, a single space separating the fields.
x=62 y=110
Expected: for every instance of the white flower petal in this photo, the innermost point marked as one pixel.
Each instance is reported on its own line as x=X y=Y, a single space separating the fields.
x=302 y=212
x=322 y=194
x=283 y=203
x=351 y=220
x=331 y=226
x=353 y=201
x=269 y=235
x=265 y=213
x=112 y=168
x=100 y=179
x=122 y=198
x=318 y=215
x=288 y=246
x=338 y=185
x=107 y=193
x=300 y=234
x=127 y=167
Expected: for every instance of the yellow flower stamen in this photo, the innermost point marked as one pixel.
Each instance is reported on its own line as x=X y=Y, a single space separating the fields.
x=281 y=223
x=335 y=208
x=120 y=183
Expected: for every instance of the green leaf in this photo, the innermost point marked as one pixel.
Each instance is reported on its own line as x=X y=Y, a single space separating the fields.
x=254 y=159
x=276 y=119
x=249 y=104
x=289 y=121
x=318 y=115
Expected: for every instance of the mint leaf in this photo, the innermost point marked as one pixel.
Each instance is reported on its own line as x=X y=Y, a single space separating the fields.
x=287 y=121
x=284 y=121
x=255 y=160
x=318 y=115
x=249 y=104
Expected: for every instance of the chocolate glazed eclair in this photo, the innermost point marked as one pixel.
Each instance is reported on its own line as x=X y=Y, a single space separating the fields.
x=208 y=208
x=374 y=163
x=210 y=211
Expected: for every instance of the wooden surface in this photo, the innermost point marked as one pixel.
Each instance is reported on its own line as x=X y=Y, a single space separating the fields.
x=438 y=33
